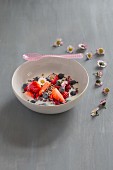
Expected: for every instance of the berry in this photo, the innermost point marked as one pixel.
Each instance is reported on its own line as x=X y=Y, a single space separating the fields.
x=65 y=94
x=48 y=79
x=45 y=95
x=34 y=87
x=76 y=90
x=73 y=93
x=72 y=82
x=36 y=95
x=61 y=89
x=33 y=101
x=24 y=85
x=56 y=102
x=67 y=90
x=69 y=78
x=57 y=87
x=54 y=80
x=60 y=76
x=36 y=78
x=26 y=89
x=68 y=87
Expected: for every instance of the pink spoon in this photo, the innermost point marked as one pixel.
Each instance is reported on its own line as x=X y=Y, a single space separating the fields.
x=36 y=56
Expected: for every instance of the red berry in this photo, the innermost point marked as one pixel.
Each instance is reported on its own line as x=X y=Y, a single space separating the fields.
x=67 y=90
x=54 y=80
x=37 y=95
x=56 y=102
x=69 y=78
x=34 y=87
x=26 y=88
x=65 y=94
x=57 y=87
x=68 y=87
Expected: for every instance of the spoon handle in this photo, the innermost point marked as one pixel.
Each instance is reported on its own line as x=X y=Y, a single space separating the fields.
x=36 y=56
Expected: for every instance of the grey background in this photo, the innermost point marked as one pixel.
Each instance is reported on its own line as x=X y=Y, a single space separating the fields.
x=68 y=141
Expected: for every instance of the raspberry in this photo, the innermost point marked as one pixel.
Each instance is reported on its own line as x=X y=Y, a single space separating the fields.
x=56 y=102
x=37 y=96
x=54 y=80
x=65 y=94
x=57 y=87
x=69 y=78
x=67 y=90
x=34 y=87
x=26 y=89
x=68 y=87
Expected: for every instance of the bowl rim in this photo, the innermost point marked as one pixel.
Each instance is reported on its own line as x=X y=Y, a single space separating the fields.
x=12 y=83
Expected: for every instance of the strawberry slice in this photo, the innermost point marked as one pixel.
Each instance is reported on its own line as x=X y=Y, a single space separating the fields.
x=30 y=94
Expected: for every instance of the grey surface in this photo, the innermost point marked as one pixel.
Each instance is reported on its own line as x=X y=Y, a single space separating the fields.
x=68 y=141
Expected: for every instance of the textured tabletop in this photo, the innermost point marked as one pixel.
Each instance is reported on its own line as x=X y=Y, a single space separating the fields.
x=67 y=141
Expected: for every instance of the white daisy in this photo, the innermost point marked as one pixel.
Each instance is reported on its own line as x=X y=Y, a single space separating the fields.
x=89 y=56
x=101 y=63
x=94 y=112
x=99 y=83
x=106 y=91
x=70 y=49
x=58 y=43
x=42 y=81
x=100 y=51
x=82 y=46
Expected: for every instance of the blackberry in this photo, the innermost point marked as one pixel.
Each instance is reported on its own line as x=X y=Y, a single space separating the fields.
x=73 y=93
x=48 y=79
x=36 y=78
x=33 y=101
x=72 y=82
x=60 y=76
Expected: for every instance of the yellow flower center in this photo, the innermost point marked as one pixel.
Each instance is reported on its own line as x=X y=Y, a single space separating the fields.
x=107 y=90
x=101 y=50
x=89 y=55
x=70 y=48
x=42 y=81
x=58 y=42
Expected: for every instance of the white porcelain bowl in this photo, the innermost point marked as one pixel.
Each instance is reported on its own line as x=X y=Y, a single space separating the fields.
x=30 y=69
